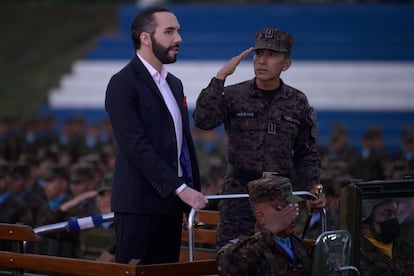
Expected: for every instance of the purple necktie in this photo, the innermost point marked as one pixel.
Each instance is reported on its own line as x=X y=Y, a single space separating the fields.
x=186 y=164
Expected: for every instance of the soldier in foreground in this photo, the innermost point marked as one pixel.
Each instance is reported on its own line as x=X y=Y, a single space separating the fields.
x=98 y=243
x=382 y=252
x=270 y=128
x=273 y=249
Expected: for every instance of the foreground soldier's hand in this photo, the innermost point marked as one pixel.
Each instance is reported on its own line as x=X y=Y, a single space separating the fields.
x=193 y=198
x=277 y=221
x=318 y=203
x=66 y=206
x=106 y=257
x=231 y=65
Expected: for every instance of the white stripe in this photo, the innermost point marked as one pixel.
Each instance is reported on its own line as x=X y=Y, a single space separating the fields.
x=342 y=85
x=85 y=223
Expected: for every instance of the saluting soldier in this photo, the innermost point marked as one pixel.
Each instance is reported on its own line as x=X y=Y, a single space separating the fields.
x=56 y=209
x=83 y=190
x=270 y=127
x=98 y=243
x=273 y=249
x=20 y=186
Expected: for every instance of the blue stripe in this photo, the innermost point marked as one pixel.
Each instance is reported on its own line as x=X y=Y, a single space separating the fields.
x=73 y=225
x=97 y=220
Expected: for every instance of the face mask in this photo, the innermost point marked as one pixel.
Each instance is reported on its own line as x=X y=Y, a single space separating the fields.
x=390 y=231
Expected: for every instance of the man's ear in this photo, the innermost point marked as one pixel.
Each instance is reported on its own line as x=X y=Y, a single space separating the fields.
x=145 y=38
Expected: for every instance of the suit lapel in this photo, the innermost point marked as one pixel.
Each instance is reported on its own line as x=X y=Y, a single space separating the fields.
x=143 y=74
x=179 y=97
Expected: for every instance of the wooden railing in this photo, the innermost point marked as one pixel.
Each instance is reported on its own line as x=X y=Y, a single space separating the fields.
x=197 y=255
x=18 y=262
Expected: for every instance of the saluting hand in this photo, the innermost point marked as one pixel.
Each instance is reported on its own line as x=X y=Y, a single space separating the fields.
x=231 y=65
x=278 y=220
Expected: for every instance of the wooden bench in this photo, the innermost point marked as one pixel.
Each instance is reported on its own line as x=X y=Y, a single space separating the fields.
x=51 y=264
x=20 y=262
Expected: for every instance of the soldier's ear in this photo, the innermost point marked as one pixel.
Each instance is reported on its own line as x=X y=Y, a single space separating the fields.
x=259 y=217
x=286 y=64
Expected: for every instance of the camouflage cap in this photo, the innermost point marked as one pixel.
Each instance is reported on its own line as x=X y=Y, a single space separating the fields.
x=55 y=171
x=271 y=189
x=82 y=172
x=105 y=184
x=274 y=39
x=369 y=204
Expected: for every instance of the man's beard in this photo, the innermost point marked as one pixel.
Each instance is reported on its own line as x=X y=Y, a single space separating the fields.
x=161 y=52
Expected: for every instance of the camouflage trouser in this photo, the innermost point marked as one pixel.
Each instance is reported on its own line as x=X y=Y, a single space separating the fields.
x=236 y=217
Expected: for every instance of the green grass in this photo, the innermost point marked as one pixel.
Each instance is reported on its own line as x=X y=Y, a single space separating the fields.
x=38 y=44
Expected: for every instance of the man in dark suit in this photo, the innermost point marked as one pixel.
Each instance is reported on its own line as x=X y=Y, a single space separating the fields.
x=152 y=183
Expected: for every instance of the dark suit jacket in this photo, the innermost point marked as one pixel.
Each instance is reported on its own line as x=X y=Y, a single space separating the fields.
x=145 y=176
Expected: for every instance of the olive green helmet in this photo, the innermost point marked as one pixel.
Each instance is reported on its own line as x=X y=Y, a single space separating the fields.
x=369 y=204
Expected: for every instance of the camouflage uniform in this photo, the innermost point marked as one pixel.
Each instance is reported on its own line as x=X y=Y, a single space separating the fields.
x=261 y=137
x=260 y=254
x=279 y=136
x=20 y=177
x=102 y=237
x=373 y=262
x=59 y=243
x=12 y=209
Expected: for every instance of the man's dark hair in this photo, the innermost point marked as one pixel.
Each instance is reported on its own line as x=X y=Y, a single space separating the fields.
x=144 y=22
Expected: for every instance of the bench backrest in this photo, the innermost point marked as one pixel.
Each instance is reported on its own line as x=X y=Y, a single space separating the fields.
x=205 y=233
x=17 y=232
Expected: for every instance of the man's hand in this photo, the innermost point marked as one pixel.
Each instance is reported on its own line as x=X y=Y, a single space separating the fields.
x=231 y=65
x=318 y=203
x=193 y=198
